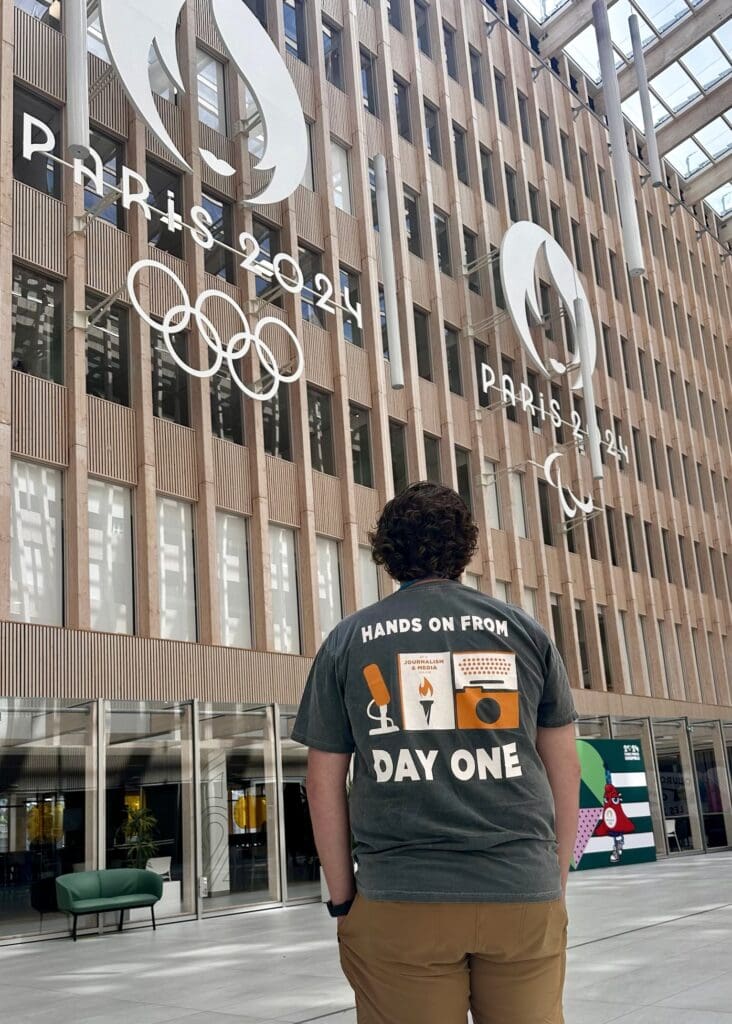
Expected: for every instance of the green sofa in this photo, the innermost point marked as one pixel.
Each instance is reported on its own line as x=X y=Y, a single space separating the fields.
x=97 y=892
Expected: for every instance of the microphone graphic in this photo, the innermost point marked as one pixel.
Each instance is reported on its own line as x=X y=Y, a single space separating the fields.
x=381 y=699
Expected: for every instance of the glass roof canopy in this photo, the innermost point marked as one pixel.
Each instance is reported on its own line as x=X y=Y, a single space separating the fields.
x=694 y=76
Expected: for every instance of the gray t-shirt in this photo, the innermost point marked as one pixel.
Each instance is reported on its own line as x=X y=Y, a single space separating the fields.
x=438 y=690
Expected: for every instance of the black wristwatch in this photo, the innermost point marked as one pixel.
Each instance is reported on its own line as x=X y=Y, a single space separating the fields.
x=339 y=909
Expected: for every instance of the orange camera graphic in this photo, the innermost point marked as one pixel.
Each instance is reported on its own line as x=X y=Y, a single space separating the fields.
x=486 y=690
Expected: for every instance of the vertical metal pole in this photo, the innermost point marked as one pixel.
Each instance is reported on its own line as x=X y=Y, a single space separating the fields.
x=196 y=802
x=101 y=742
x=620 y=156
x=277 y=719
x=391 y=302
x=654 y=160
x=77 y=78
x=580 y=319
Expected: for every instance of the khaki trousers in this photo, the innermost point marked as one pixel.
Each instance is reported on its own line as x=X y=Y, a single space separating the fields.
x=429 y=963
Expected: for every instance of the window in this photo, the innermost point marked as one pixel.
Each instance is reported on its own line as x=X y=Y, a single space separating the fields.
x=107 y=355
x=630 y=530
x=596 y=263
x=37 y=325
x=112 y=158
x=330 y=606
x=500 y=298
x=368 y=81
x=546 y=137
x=638 y=454
x=394 y=8
x=452 y=349
x=610 y=518
x=602 y=629
x=556 y=611
x=556 y=222
x=382 y=320
x=361 y=446
x=585 y=170
x=512 y=193
x=111 y=586
x=470 y=579
x=461 y=153
x=422 y=339
x=450 y=52
x=507 y=370
x=442 y=234
x=311 y=264
x=534 y=208
x=432 y=132
x=211 y=95
x=308 y=179
x=486 y=168
x=283 y=581
x=577 y=244
x=333 y=54
x=523 y=108
x=46 y=11
x=268 y=239
x=602 y=179
x=219 y=261
x=476 y=75
x=470 y=252
x=165 y=236
x=503 y=591
x=36 y=545
x=546 y=513
x=276 y=423
x=232 y=564
x=401 y=104
x=372 y=192
x=321 y=431
x=625 y=351
x=341 y=178
x=350 y=284
x=40 y=172
x=566 y=157
x=649 y=548
x=422 y=19
x=176 y=560
x=259 y=10
x=295 y=38
x=226 y=410
x=667 y=555
x=411 y=221
x=462 y=466
x=432 y=459
x=368 y=577
x=501 y=98
x=169 y=380
x=493 y=504
x=518 y=503
x=607 y=350
x=398 y=449
x=614 y=274
x=480 y=352
x=579 y=616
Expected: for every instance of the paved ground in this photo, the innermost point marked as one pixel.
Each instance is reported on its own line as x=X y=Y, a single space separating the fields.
x=649 y=945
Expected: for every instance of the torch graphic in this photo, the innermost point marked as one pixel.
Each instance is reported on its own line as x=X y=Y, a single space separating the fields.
x=381 y=699
x=426 y=692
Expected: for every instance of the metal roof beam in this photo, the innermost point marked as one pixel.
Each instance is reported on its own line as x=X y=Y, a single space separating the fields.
x=707 y=181
x=676 y=42
x=698 y=114
x=564 y=26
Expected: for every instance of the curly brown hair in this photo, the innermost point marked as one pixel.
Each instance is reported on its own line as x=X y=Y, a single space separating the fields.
x=427 y=530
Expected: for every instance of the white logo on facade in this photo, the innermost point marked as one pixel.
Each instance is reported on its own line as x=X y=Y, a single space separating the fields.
x=178 y=319
x=131 y=28
x=521 y=248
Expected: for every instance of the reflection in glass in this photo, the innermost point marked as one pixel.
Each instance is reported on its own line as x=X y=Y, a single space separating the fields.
x=677 y=784
x=47 y=809
x=303 y=866
x=713 y=782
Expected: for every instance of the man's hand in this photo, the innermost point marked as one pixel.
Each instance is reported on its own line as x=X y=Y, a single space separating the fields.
x=326 y=788
x=558 y=751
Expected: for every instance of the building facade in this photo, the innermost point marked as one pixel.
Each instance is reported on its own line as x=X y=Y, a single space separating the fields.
x=174 y=551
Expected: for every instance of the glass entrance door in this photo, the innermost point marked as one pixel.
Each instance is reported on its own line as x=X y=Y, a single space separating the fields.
x=239 y=808
x=713 y=781
x=639 y=730
x=678 y=793
x=302 y=865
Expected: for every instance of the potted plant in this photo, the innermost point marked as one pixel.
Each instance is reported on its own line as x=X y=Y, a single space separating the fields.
x=137 y=831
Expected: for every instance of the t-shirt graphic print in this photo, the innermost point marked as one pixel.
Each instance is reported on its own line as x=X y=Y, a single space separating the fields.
x=438 y=691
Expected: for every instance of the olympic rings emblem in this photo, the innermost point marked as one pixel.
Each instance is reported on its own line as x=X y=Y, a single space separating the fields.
x=178 y=319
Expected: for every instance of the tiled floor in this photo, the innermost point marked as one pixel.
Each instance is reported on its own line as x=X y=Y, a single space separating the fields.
x=649 y=945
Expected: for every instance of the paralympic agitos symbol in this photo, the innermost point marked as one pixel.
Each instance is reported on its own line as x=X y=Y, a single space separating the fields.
x=132 y=27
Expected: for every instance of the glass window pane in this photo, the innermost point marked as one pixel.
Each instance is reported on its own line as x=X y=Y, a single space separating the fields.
x=361 y=446
x=107 y=355
x=321 y=431
x=276 y=423
x=283 y=579
x=39 y=172
x=232 y=564
x=518 y=506
x=398 y=445
x=341 y=177
x=177 y=571
x=329 y=586
x=36 y=545
x=111 y=558
x=37 y=325
x=169 y=380
x=217 y=260
x=211 y=105
x=369 y=577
